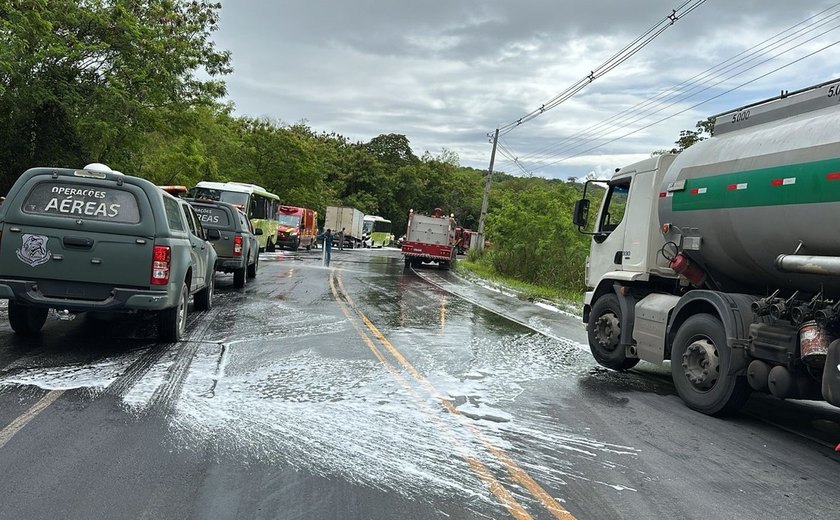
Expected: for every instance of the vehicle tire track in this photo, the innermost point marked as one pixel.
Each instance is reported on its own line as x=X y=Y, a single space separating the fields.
x=165 y=395
x=120 y=386
x=141 y=366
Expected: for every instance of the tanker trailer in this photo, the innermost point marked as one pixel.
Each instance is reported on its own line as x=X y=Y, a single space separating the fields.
x=725 y=259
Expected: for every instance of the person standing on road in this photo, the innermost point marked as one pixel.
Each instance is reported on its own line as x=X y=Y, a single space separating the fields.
x=340 y=237
x=327 y=237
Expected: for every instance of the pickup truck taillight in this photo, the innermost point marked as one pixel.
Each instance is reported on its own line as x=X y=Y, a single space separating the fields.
x=161 y=259
x=237 y=245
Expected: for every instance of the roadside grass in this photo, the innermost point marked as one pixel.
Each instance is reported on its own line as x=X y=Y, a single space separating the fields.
x=569 y=300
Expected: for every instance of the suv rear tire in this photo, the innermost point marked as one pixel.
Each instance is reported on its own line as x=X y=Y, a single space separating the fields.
x=239 y=278
x=204 y=297
x=172 y=323
x=252 y=269
x=26 y=320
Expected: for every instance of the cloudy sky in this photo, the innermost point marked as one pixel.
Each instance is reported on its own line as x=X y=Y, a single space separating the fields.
x=445 y=73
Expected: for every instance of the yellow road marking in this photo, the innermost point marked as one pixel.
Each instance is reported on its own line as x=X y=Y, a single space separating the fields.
x=483 y=472
x=516 y=472
x=15 y=426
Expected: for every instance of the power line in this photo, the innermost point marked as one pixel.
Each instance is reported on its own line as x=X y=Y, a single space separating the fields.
x=741 y=85
x=507 y=153
x=617 y=59
x=689 y=88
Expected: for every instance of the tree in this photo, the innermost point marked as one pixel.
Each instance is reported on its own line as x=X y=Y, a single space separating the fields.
x=702 y=130
x=82 y=81
x=393 y=150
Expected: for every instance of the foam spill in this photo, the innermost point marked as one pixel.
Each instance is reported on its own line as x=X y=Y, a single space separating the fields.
x=288 y=401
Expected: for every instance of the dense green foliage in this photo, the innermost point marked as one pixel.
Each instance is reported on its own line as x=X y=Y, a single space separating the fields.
x=137 y=84
x=532 y=234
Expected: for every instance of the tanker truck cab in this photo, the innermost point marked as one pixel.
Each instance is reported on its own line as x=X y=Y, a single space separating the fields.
x=625 y=233
x=722 y=262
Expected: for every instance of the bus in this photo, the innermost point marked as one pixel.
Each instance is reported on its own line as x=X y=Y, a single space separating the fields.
x=258 y=204
x=377 y=231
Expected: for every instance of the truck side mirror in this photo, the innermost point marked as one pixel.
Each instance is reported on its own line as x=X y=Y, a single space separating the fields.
x=213 y=234
x=581 y=213
x=258 y=231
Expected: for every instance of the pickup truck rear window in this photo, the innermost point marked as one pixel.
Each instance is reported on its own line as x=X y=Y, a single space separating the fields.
x=212 y=217
x=82 y=201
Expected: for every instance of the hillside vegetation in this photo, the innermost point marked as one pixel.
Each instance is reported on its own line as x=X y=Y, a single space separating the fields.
x=138 y=85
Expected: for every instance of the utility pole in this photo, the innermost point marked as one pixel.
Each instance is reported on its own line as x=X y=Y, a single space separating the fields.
x=486 y=200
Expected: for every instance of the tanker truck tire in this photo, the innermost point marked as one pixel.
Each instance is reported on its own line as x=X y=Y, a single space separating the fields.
x=700 y=366
x=604 y=330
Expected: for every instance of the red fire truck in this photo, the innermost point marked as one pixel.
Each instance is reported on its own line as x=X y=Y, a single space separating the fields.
x=296 y=227
x=429 y=238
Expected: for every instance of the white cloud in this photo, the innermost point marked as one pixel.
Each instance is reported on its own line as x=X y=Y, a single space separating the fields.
x=446 y=73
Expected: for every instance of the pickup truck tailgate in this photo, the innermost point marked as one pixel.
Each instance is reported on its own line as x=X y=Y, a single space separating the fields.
x=100 y=259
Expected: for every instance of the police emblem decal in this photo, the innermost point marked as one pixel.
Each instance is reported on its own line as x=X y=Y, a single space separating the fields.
x=33 y=251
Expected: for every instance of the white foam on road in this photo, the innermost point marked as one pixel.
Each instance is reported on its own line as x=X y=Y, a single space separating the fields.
x=95 y=375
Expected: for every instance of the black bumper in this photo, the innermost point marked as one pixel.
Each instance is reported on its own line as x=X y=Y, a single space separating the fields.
x=229 y=265
x=118 y=299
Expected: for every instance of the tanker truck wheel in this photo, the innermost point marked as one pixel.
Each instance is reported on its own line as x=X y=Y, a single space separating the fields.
x=700 y=366
x=605 y=334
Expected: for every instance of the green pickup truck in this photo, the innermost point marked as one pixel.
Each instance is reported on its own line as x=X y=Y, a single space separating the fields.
x=96 y=240
x=233 y=237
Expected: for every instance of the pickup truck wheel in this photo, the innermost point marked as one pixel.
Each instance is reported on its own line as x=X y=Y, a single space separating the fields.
x=270 y=247
x=172 y=323
x=296 y=246
x=700 y=367
x=252 y=269
x=204 y=297
x=239 y=278
x=604 y=331
x=25 y=320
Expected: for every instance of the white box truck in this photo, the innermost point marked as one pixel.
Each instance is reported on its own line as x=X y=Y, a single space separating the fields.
x=351 y=219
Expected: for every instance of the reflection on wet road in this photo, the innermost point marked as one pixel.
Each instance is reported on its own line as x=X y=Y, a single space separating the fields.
x=364 y=391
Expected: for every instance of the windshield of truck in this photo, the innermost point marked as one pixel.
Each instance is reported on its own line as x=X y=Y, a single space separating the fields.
x=616 y=203
x=232 y=197
x=82 y=201
x=211 y=216
x=289 y=220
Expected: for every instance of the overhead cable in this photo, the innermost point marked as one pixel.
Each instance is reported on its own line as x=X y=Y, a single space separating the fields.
x=617 y=59
x=741 y=85
x=733 y=66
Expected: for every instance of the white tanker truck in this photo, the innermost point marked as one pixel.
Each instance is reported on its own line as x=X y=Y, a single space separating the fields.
x=725 y=258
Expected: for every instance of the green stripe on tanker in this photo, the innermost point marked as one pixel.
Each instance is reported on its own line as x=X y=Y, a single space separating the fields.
x=811 y=185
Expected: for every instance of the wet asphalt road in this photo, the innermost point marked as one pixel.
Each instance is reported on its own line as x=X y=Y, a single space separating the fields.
x=363 y=391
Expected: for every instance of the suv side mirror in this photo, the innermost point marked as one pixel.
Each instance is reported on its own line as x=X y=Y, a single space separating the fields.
x=213 y=234
x=258 y=231
x=581 y=213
